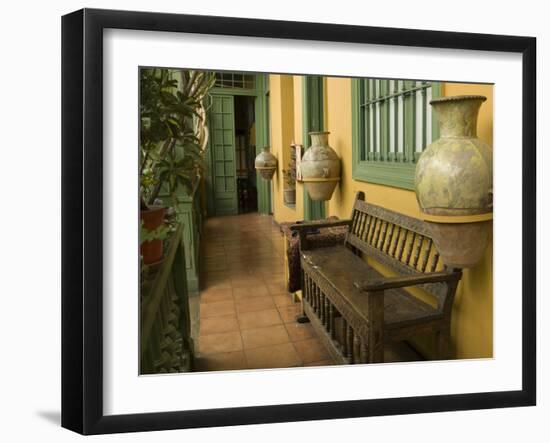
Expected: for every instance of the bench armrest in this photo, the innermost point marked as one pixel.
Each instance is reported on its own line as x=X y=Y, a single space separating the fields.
x=308 y=227
x=409 y=280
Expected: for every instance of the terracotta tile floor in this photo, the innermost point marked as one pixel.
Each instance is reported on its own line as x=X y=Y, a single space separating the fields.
x=247 y=319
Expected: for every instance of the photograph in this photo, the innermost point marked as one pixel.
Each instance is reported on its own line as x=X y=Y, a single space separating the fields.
x=275 y=222
x=291 y=220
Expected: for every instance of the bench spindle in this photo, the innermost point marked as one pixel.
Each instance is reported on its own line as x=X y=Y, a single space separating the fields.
x=363 y=353
x=362 y=223
x=327 y=314
x=322 y=308
x=305 y=286
x=417 y=251
x=397 y=238
x=318 y=300
x=401 y=247
x=356 y=349
x=355 y=221
x=368 y=228
x=349 y=342
x=372 y=231
x=426 y=255
x=383 y=236
x=377 y=236
x=331 y=322
x=344 y=331
x=311 y=292
x=390 y=238
x=435 y=261
x=410 y=249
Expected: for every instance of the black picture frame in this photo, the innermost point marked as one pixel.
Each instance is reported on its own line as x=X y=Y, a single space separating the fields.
x=82 y=218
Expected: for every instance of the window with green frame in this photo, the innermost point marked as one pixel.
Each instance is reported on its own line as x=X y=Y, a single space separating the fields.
x=235 y=80
x=392 y=124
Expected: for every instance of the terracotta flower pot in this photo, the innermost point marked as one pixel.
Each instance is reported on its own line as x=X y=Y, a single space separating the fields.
x=454 y=183
x=152 y=217
x=320 y=167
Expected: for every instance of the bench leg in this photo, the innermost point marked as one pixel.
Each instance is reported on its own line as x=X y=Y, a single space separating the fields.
x=369 y=351
x=303 y=317
x=443 y=338
x=375 y=352
x=374 y=340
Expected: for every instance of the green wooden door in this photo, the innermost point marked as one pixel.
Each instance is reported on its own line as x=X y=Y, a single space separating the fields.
x=222 y=146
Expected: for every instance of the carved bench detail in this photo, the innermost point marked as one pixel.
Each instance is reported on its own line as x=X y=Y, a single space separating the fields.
x=354 y=308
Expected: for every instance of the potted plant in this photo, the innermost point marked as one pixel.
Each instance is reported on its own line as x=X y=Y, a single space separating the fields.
x=289 y=191
x=173 y=136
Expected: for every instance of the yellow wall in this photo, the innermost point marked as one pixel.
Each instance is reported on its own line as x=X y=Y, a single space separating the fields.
x=298 y=125
x=472 y=322
x=281 y=111
x=285 y=109
x=472 y=325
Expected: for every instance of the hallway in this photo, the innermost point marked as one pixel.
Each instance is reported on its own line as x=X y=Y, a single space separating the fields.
x=247 y=318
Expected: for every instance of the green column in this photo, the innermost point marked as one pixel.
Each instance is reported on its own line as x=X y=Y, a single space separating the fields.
x=263 y=139
x=312 y=120
x=436 y=93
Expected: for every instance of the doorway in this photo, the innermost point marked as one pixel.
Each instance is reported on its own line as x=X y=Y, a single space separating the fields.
x=245 y=150
x=238 y=119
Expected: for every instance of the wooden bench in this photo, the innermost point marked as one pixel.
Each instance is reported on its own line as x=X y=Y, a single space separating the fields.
x=355 y=309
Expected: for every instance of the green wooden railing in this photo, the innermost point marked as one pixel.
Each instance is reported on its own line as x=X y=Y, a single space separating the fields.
x=165 y=337
x=190 y=216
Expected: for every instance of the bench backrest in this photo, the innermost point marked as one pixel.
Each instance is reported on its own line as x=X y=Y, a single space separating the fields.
x=400 y=242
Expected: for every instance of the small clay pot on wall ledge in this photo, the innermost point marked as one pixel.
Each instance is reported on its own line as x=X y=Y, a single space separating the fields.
x=290 y=196
x=454 y=183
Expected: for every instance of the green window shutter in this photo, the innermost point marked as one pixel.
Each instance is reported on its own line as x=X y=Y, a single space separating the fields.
x=392 y=124
x=313 y=118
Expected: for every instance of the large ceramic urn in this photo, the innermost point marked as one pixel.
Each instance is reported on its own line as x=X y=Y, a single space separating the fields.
x=320 y=167
x=454 y=183
x=266 y=163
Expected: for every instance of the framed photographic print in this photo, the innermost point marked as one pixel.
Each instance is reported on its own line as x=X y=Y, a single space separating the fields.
x=206 y=285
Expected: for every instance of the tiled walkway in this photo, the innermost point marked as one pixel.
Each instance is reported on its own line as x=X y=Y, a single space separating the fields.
x=247 y=319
